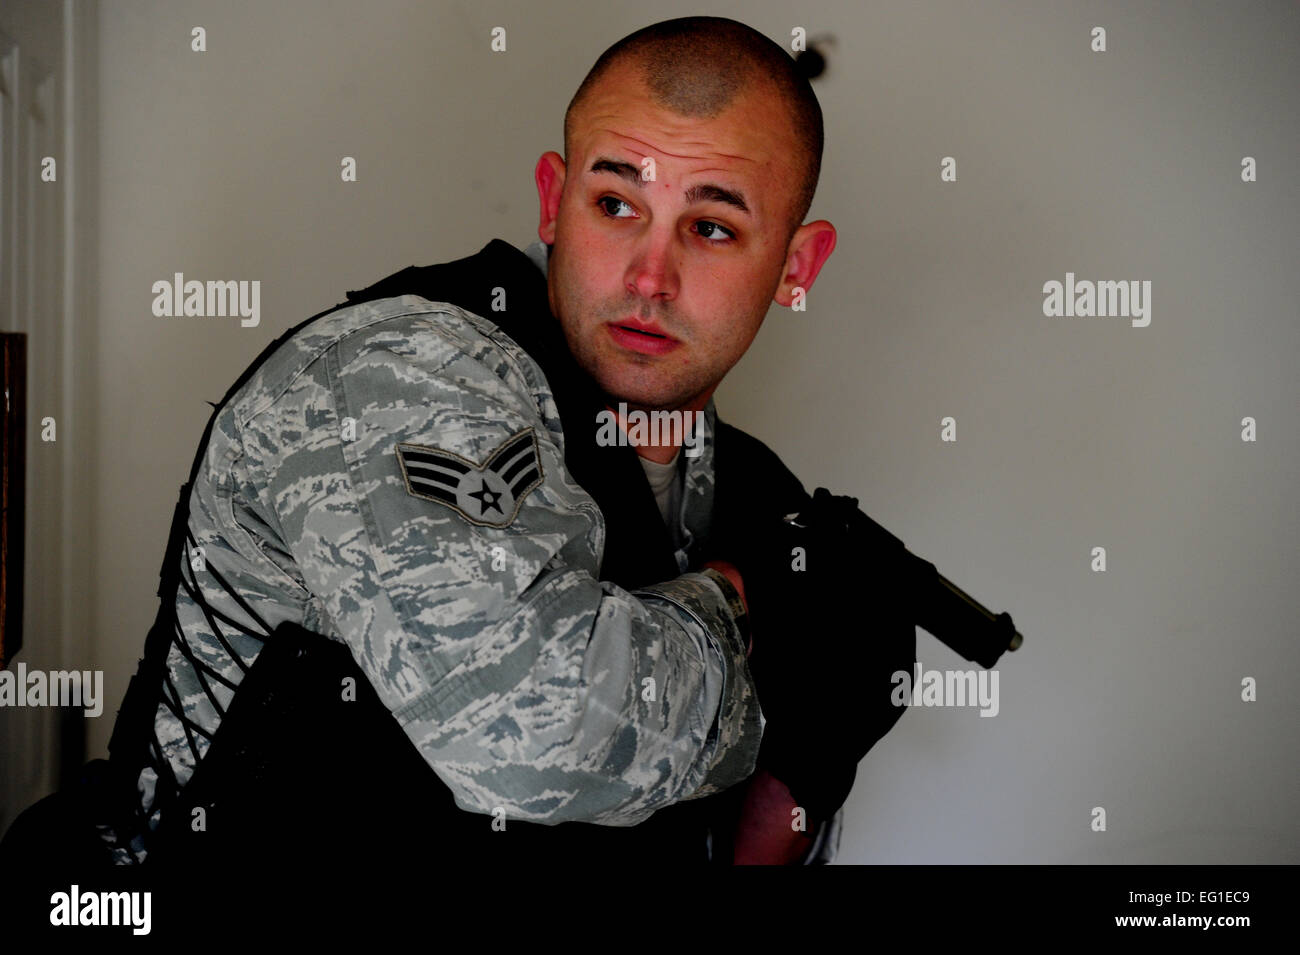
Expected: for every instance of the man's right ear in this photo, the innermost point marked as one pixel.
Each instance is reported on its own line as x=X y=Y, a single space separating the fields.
x=550 y=187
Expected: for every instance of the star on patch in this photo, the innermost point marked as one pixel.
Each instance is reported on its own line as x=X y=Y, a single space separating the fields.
x=486 y=499
x=487 y=494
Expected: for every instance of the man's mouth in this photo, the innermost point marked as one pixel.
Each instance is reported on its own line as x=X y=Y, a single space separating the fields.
x=643 y=337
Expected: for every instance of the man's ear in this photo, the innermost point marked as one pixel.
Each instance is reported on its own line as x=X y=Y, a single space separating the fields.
x=550 y=186
x=810 y=247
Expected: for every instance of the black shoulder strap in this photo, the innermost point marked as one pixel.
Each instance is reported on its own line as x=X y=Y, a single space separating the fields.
x=753 y=484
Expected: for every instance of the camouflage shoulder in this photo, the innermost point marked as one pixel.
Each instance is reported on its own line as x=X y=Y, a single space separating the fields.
x=404 y=323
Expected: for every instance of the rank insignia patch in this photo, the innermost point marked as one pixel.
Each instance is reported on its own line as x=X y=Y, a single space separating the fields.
x=487 y=494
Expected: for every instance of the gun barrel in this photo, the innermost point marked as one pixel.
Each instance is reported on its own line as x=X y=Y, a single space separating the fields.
x=956 y=618
x=1017 y=638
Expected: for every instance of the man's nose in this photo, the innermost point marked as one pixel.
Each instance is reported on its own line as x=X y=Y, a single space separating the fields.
x=653 y=272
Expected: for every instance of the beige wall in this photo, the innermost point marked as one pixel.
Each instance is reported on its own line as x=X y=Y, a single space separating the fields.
x=1072 y=432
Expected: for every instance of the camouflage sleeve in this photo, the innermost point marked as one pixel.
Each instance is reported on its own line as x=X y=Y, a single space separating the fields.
x=415 y=475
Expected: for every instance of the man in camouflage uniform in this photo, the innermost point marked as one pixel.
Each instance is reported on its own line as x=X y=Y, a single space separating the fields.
x=393 y=476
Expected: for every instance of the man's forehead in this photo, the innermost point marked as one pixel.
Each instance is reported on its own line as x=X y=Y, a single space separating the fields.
x=747 y=165
x=751 y=131
x=617 y=135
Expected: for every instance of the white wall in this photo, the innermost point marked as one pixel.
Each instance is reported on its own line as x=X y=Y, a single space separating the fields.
x=47 y=268
x=1072 y=433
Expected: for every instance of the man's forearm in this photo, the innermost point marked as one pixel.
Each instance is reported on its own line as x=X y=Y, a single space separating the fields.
x=764 y=834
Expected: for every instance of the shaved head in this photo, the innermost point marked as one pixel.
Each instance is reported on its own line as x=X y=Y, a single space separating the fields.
x=675 y=218
x=697 y=67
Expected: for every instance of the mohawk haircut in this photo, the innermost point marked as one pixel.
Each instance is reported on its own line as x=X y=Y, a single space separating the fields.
x=698 y=66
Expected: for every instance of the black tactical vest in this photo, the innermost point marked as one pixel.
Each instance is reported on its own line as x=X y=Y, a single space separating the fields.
x=298 y=774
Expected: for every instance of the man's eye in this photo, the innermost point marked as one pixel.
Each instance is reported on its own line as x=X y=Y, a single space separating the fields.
x=709 y=229
x=603 y=203
x=711 y=232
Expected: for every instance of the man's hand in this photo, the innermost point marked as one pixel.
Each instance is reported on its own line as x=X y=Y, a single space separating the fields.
x=763 y=833
x=728 y=570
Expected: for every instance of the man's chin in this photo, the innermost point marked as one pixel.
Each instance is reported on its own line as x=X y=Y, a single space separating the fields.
x=647 y=398
x=640 y=401
x=638 y=381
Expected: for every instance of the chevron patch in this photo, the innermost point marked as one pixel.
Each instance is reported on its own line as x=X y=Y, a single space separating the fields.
x=487 y=494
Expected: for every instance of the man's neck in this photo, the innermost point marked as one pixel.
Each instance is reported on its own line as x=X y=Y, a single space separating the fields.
x=657 y=454
x=660 y=444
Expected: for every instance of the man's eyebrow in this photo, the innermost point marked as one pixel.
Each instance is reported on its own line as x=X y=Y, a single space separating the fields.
x=703 y=192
